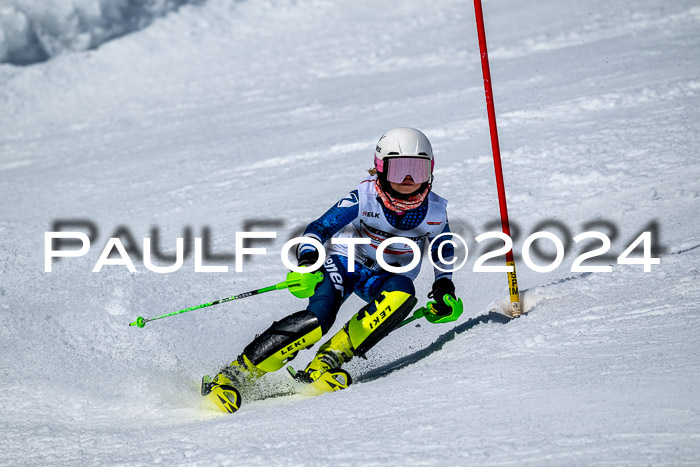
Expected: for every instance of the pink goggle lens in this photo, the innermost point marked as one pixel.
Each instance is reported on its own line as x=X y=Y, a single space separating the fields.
x=419 y=168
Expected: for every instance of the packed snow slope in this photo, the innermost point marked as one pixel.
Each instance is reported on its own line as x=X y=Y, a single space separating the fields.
x=229 y=112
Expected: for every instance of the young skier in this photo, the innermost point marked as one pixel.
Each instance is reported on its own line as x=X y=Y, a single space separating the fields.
x=395 y=201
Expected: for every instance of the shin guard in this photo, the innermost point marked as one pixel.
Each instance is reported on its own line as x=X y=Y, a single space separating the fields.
x=282 y=341
x=367 y=328
x=370 y=325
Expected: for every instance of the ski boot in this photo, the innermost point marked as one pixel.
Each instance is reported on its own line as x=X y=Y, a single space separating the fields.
x=268 y=352
x=223 y=389
x=370 y=325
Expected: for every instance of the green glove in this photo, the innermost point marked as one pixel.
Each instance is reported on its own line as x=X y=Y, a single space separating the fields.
x=455 y=305
x=303 y=284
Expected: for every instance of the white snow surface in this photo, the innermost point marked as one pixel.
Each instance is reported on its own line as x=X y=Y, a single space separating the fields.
x=233 y=111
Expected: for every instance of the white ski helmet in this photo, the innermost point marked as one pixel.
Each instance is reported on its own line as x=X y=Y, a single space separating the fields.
x=413 y=154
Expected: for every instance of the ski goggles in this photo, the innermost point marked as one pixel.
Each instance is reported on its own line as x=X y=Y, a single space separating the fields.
x=400 y=167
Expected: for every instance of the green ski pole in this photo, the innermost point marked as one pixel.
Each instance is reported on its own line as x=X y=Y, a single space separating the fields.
x=422 y=312
x=301 y=286
x=418 y=314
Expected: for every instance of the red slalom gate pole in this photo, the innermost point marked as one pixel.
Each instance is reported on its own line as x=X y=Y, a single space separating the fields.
x=516 y=309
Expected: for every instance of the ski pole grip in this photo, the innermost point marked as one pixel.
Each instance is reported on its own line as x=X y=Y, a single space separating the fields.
x=457 y=309
x=303 y=285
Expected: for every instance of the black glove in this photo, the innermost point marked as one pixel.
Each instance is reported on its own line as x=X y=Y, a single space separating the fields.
x=441 y=287
x=307 y=258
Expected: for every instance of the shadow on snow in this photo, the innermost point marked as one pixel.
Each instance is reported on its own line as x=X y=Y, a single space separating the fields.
x=382 y=371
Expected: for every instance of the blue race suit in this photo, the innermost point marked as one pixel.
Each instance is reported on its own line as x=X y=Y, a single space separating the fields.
x=361 y=214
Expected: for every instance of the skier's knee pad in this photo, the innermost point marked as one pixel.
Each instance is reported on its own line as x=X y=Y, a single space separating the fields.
x=400 y=283
x=368 y=327
x=281 y=341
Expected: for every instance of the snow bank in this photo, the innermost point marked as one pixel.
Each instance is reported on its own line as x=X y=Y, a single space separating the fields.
x=33 y=31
